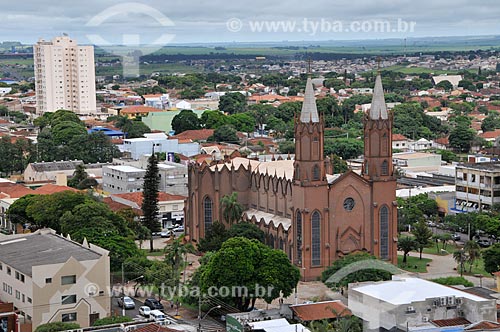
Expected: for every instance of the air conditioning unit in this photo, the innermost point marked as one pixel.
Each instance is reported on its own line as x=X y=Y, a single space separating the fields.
x=458 y=301
x=450 y=300
x=425 y=319
x=442 y=301
x=435 y=303
x=410 y=309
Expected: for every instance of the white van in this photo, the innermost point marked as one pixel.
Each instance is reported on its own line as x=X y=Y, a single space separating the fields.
x=157 y=316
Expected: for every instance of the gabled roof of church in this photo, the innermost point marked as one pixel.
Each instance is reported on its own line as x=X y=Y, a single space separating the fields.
x=378 y=109
x=309 y=112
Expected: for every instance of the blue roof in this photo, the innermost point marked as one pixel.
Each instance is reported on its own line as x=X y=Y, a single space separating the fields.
x=106 y=131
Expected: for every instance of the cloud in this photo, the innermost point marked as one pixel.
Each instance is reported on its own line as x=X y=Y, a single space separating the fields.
x=205 y=21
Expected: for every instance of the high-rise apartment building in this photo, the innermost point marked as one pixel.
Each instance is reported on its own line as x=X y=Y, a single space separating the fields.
x=65 y=76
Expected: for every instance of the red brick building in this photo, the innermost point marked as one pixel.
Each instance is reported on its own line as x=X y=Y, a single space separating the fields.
x=305 y=210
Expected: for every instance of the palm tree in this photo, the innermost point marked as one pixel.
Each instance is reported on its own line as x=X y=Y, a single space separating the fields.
x=406 y=244
x=422 y=234
x=473 y=251
x=175 y=253
x=460 y=257
x=232 y=208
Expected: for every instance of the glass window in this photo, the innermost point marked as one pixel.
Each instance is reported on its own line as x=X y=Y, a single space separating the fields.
x=385 y=168
x=68 y=280
x=315 y=173
x=70 y=317
x=298 y=226
x=68 y=299
x=48 y=280
x=207 y=213
x=316 y=238
x=384 y=233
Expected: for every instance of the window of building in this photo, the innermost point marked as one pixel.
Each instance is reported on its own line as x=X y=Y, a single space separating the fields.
x=315 y=174
x=207 y=213
x=30 y=300
x=48 y=280
x=385 y=168
x=9 y=271
x=18 y=295
x=298 y=226
x=1 y=267
x=68 y=299
x=69 y=317
x=24 y=298
x=316 y=238
x=384 y=232
x=68 y=280
x=297 y=172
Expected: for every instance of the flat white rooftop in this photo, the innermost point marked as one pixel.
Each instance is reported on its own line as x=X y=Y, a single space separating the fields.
x=407 y=290
x=126 y=168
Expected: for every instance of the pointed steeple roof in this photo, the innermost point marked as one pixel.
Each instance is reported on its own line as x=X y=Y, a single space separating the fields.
x=309 y=112
x=378 y=109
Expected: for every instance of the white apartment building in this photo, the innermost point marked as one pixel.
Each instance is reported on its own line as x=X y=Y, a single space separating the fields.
x=50 y=278
x=122 y=179
x=64 y=76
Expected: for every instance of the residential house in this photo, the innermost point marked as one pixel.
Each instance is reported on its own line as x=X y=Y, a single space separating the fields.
x=171 y=207
x=50 y=278
x=399 y=142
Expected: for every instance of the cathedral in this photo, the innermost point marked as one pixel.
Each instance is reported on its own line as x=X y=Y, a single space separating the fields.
x=313 y=215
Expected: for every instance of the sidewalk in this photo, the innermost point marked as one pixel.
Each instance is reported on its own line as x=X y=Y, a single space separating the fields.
x=443 y=266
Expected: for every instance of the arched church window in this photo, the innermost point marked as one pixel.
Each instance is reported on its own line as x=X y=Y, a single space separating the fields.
x=384 y=232
x=297 y=172
x=385 y=168
x=207 y=213
x=316 y=238
x=298 y=227
x=316 y=175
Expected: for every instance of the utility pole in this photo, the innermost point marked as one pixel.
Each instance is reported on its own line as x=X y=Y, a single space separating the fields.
x=123 y=290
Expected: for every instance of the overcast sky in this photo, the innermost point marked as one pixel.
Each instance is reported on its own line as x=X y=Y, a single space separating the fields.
x=185 y=21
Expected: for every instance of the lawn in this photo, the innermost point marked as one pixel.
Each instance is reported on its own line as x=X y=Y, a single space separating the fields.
x=413 y=264
x=450 y=248
x=477 y=268
x=156 y=253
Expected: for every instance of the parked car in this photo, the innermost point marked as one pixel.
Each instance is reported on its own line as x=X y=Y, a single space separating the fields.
x=456 y=237
x=166 y=233
x=144 y=311
x=126 y=302
x=153 y=304
x=178 y=231
x=483 y=243
x=158 y=316
x=431 y=224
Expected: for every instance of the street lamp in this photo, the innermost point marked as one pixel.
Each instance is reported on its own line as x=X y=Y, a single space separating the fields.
x=202 y=318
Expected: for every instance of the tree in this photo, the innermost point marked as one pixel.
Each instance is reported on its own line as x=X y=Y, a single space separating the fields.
x=149 y=205
x=446 y=85
x=135 y=129
x=112 y=320
x=287 y=147
x=175 y=254
x=473 y=251
x=345 y=148
x=422 y=235
x=81 y=180
x=461 y=137
x=226 y=133
x=453 y=281
x=339 y=165
x=368 y=274
x=491 y=122
x=247 y=230
x=247 y=263
x=406 y=244
x=232 y=209
x=460 y=257
x=232 y=103
x=185 y=120
x=242 y=122
x=491 y=258
x=57 y=326
x=213 y=119
x=214 y=238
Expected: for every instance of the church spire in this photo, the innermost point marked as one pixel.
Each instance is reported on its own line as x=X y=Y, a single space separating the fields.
x=309 y=112
x=378 y=109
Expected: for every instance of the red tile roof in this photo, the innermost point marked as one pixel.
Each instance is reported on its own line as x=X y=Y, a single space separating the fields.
x=491 y=134
x=442 y=140
x=136 y=197
x=484 y=325
x=117 y=206
x=320 y=310
x=195 y=135
x=12 y=190
x=451 y=322
x=50 y=188
x=399 y=137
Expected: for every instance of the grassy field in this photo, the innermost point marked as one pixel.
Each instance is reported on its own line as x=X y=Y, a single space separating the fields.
x=155 y=253
x=413 y=264
x=477 y=268
x=450 y=248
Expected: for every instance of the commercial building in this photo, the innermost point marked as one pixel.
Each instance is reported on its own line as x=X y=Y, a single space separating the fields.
x=50 y=278
x=477 y=186
x=122 y=179
x=158 y=142
x=413 y=304
x=64 y=76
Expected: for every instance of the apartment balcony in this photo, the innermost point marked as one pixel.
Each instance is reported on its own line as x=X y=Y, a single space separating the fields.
x=475 y=198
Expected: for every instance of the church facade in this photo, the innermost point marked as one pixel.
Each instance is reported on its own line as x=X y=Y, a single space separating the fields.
x=313 y=215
